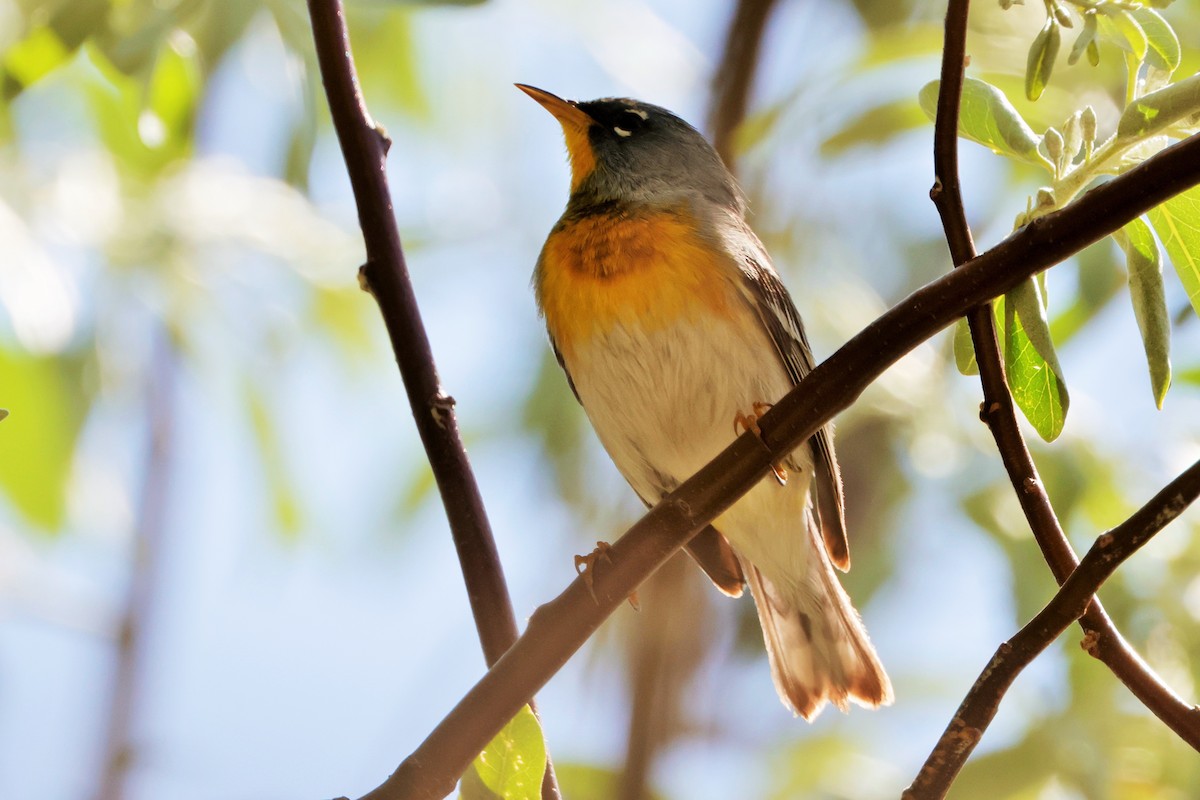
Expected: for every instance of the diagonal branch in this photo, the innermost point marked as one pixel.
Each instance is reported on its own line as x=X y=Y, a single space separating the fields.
x=1102 y=638
x=557 y=629
x=980 y=705
x=385 y=275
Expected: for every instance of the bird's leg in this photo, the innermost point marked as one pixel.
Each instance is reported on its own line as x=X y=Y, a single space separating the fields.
x=586 y=566
x=749 y=422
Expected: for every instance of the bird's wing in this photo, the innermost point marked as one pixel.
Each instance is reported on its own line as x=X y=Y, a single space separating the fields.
x=708 y=548
x=779 y=316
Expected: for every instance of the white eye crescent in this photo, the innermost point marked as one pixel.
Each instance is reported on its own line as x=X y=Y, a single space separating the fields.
x=638 y=112
x=622 y=132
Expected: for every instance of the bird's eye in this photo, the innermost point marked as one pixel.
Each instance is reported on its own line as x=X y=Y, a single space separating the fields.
x=632 y=119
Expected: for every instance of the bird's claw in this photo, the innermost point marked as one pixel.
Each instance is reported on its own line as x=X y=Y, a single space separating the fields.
x=585 y=566
x=749 y=422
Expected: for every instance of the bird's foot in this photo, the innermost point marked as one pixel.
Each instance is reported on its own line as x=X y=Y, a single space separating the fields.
x=586 y=567
x=749 y=422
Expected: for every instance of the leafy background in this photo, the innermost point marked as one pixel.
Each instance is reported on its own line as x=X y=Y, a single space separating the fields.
x=174 y=214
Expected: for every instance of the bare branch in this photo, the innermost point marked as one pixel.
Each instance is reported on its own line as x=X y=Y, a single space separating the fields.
x=145 y=565
x=1106 y=642
x=979 y=707
x=385 y=276
x=734 y=76
x=557 y=629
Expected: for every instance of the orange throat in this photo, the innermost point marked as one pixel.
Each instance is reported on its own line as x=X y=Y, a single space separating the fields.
x=642 y=270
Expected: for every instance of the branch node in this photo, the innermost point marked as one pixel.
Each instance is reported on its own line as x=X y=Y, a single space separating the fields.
x=935 y=191
x=364 y=280
x=440 y=408
x=1104 y=541
x=1091 y=643
x=1031 y=484
x=385 y=141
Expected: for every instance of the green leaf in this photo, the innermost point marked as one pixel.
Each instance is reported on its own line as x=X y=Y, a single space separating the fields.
x=1152 y=113
x=1177 y=223
x=511 y=766
x=1149 y=302
x=1120 y=26
x=986 y=117
x=32 y=58
x=1042 y=54
x=964 y=348
x=587 y=782
x=283 y=497
x=1034 y=373
x=1086 y=37
x=37 y=440
x=1162 y=45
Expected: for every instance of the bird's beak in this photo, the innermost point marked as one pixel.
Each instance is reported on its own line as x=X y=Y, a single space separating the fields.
x=569 y=115
x=575 y=124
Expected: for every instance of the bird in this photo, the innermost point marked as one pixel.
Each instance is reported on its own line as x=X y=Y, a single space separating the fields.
x=676 y=334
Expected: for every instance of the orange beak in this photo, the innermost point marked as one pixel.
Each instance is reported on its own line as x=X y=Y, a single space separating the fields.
x=575 y=124
x=566 y=112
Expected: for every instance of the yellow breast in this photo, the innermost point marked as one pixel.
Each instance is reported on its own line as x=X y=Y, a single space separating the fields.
x=633 y=269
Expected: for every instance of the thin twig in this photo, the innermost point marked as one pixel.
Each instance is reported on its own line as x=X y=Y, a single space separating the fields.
x=1104 y=640
x=385 y=275
x=557 y=629
x=732 y=81
x=145 y=565
x=1101 y=560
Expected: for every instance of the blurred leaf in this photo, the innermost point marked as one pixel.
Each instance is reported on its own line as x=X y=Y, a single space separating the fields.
x=988 y=118
x=76 y=20
x=37 y=441
x=1190 y=375
x=283 y=496
x=910 y=39
x=217 y=25
x=1042 y=55
x=512 y=765
x=757 y=126
x=964 y=348
x=1162 y=44
x=1153 y=113
x=172 y=96
x=340 y=311
x=388 y=59
x=1032 y=365
x=138 y=30
x=3 y=413
x=875 y=126
x=31 y=59
x=586 y=782
x=116 y=102
x=1177 y=223
x=1149 y=302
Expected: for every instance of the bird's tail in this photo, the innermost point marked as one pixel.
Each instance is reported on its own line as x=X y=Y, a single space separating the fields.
x=816 y=643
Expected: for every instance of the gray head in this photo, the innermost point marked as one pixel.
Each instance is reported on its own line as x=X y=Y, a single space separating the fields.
x=627 y=151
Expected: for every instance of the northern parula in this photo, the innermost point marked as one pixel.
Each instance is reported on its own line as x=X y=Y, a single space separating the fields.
x=675 y=332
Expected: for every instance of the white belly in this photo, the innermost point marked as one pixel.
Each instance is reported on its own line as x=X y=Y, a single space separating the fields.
x=664 y=403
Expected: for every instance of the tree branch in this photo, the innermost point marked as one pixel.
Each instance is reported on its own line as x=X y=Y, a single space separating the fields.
x=385 y=275
x=145 y=565
x=734 y=76
x=557 y=629
x=1103 y=640
x=1102 y=559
